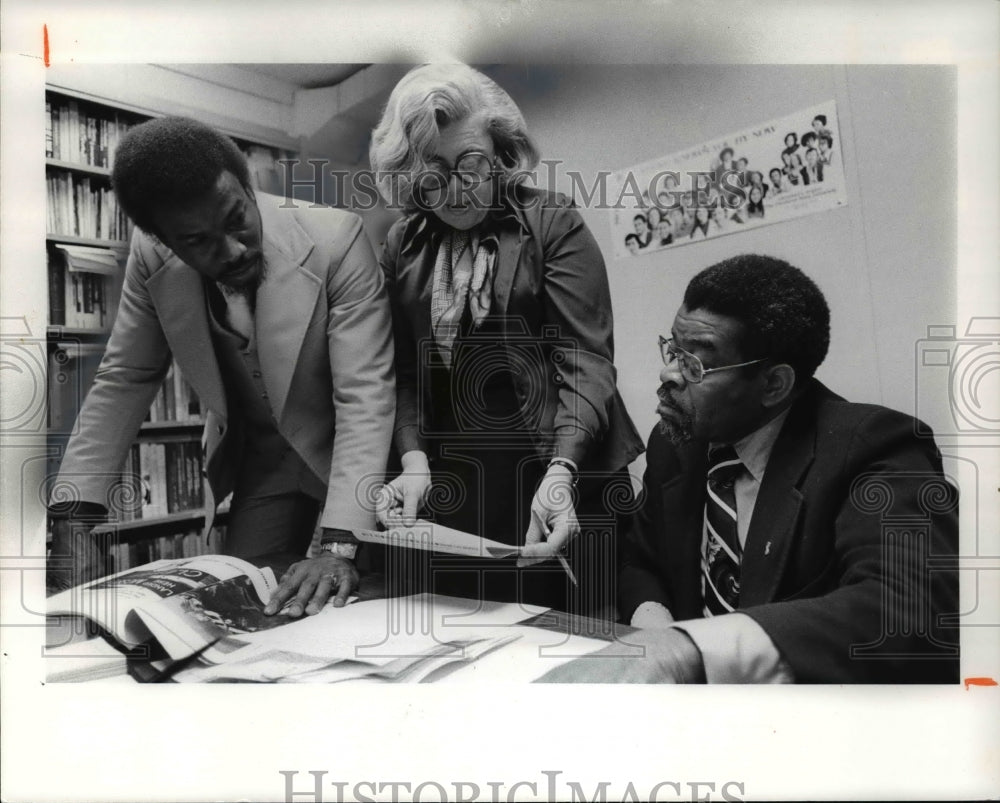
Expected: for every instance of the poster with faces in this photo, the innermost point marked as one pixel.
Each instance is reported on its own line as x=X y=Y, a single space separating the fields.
x=778 y=170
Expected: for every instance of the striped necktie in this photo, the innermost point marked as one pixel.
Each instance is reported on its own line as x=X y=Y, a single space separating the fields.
x=721 y=551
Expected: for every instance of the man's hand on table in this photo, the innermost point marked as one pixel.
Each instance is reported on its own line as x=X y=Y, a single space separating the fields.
x=309 y=584
x=646 y=656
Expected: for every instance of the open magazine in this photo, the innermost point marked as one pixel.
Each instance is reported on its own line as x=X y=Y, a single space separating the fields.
x=185 y=605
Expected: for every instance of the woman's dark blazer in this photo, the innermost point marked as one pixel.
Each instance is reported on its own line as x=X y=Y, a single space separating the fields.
x=550 y=291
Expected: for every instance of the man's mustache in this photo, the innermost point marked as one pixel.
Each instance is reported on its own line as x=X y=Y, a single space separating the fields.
x=664 y=396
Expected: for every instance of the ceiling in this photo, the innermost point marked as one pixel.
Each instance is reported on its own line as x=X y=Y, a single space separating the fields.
x=306 y=76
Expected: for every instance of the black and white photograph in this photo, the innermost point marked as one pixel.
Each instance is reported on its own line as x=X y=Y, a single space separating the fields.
x=358 y=396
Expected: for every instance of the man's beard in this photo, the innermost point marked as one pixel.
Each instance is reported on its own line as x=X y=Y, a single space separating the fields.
x=679 y=430
x=247 y=287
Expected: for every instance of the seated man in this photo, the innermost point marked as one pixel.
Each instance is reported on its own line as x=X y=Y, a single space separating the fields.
x=785 y=534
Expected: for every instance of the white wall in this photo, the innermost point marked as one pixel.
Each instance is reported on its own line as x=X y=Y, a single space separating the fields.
x=886 y=261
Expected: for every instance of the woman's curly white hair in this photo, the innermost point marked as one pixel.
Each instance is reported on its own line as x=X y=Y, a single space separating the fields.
x=425 y=100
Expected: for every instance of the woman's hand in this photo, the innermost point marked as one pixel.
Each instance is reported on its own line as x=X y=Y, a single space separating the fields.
x=404 y=496
x=553 y=518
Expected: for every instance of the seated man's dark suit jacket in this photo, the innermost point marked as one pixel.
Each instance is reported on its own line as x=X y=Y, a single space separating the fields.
x=853 y=516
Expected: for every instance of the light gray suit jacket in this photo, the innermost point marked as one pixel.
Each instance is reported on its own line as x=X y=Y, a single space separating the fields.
x=324 y=338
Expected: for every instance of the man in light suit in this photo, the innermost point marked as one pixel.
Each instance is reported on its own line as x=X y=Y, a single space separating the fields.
x=785 y=534
x=276 y=314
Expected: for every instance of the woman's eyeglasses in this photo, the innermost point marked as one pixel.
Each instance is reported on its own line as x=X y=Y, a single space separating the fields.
x=471 y=170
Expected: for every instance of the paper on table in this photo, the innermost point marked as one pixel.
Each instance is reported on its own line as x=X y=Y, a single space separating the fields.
x=535 y=652
x=438 y=538
x=378 y=631
x=370 y=638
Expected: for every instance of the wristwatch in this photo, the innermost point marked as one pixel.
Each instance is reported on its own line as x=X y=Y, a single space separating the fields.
x=339 y=549
x=339 y=543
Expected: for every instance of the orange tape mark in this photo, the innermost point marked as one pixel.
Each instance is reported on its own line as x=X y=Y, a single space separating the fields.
x=45 y=44
x=979 y=682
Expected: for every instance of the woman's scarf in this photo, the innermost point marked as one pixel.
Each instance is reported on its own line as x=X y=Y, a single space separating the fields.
x=463 y=275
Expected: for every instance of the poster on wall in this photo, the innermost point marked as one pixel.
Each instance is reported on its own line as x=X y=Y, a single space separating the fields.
x=778 y=170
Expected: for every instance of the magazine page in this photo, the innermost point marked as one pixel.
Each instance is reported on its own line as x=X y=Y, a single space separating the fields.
x=109 y=600
x=206 y=618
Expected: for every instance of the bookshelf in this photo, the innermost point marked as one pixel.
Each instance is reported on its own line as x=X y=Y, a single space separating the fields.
x=160 y=512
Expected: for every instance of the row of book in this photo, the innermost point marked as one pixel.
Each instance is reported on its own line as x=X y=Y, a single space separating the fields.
x=80 y=291
x=188 y=544
x=81 y=207
x=164 y=478
x=73 y=135
x=175 y=400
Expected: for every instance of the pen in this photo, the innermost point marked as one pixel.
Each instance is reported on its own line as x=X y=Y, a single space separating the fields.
x=560 y=556
x=569 y=571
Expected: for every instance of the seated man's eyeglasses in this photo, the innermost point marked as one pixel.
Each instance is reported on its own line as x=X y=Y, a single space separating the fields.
x=471 y=170
x=690 y=365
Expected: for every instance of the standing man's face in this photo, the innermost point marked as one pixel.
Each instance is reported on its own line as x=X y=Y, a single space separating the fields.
x=219 y=234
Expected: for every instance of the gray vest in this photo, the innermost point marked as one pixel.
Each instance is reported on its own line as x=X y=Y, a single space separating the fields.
x=268 y=464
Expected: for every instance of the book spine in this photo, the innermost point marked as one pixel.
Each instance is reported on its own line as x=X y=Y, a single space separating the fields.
x=56 y=115
x=50 y=210
x=57 y=290
x=75 y=208
x=87 y=281
x=183 y=480
x=91 y=140
x=175 y=501
x=192 y=472
x=48 y=130
x=128 y=480
x=102 y=149
x=146 y=476
x=74 y=131
x=169 y=398
x=160 y=474
x=72 y=299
